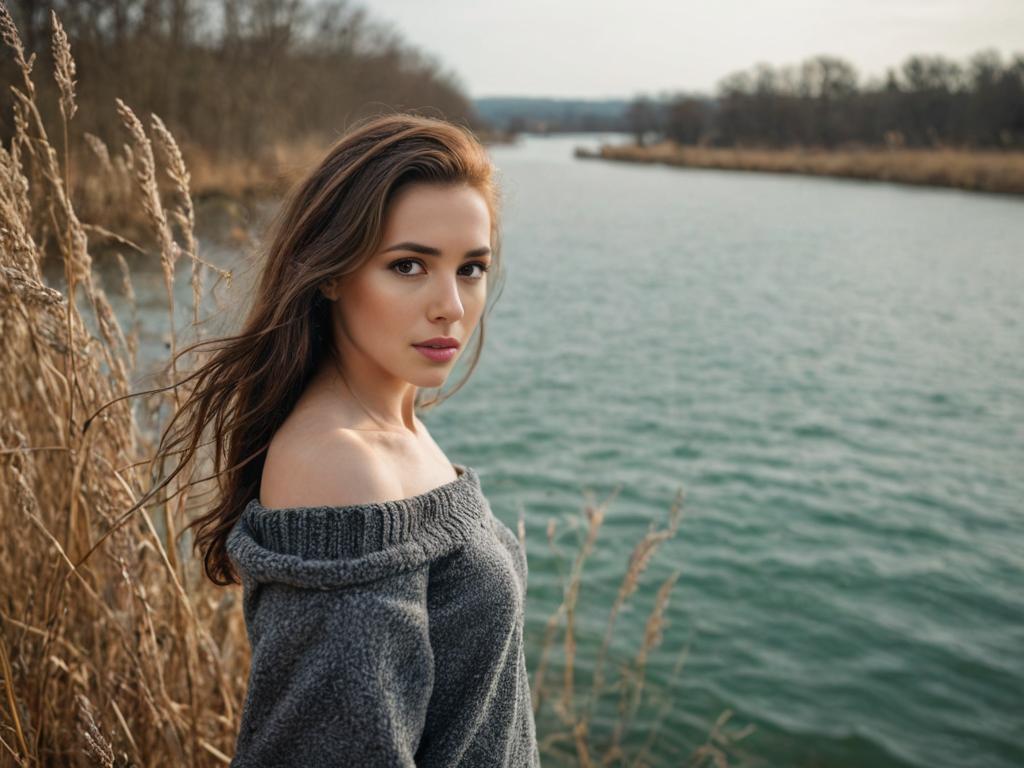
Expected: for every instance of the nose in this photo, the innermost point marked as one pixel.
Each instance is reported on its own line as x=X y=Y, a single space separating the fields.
x=446 y=303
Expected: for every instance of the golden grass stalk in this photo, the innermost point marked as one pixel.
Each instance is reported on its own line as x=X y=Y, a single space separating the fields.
x=184 y=214
x=64 y=68
x=97 y=746
x=146 y=176
x=631 y=694
x=575 y=740
x=639 y=558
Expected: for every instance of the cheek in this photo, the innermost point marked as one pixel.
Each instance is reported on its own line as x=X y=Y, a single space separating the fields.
x=372 y=308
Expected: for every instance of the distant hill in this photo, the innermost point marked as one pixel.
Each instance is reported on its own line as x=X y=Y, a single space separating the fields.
x=541 y=115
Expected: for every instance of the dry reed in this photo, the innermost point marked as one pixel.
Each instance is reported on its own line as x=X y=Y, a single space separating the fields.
x=574 y=723
x=114 y=649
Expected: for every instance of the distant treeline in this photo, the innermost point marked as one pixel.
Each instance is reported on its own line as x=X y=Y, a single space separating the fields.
x=931 y=101
x=230 y=76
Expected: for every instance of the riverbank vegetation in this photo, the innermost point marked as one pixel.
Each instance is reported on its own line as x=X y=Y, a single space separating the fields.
x=929 y=102
x=977 y=170
x=232 y=77
x=115 y=650
x=932 y=121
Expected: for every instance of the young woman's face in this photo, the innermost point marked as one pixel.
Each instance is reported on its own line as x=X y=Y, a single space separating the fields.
x=406 y=294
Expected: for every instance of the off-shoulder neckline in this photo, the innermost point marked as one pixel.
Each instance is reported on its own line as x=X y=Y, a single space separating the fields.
x=332 y=546
x=462 y=472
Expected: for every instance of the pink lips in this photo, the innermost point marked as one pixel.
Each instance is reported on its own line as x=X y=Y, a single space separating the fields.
x=439 y=341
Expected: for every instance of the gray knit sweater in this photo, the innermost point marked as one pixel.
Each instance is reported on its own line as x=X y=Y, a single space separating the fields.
x=384 y=634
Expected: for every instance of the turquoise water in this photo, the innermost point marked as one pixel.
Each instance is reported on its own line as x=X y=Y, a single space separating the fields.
x=832 y=372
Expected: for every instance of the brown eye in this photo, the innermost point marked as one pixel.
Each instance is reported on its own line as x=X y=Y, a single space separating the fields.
x=402 y=262
x=483 y=268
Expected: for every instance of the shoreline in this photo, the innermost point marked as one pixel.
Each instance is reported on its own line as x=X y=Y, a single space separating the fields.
x=970 y=170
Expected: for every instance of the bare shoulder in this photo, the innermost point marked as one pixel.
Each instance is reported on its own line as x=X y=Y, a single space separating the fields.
x=324 y=466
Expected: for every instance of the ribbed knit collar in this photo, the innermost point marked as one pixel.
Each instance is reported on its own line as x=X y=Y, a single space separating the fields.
x=330 y=546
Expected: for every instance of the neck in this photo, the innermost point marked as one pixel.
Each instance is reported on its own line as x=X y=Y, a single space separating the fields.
x=378 y=404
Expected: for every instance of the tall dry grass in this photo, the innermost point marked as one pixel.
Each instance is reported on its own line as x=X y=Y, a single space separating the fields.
x=969 y=169
x=114 y=648
x=565 y=715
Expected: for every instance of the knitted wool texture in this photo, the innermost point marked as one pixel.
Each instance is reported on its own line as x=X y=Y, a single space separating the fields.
x=384 y=634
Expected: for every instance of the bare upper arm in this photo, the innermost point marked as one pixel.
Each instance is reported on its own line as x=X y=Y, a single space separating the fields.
x=337 y=468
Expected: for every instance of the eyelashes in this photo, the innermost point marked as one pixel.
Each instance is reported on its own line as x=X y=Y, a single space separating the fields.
x=393 y=267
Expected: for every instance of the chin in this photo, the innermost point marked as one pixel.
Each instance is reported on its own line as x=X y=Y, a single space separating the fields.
x=430 y=379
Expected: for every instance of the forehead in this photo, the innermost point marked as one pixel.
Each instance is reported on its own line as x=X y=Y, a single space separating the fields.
x=431 y=209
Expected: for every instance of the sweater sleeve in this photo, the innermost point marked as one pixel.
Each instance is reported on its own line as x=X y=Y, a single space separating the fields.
x=339 y=676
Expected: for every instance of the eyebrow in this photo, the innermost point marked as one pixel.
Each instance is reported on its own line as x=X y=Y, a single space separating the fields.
x=428 y=251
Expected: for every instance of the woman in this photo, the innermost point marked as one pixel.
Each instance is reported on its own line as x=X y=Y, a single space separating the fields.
x=383 y=600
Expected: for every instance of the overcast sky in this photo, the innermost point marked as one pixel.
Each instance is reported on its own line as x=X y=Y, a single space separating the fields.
x=597 y=48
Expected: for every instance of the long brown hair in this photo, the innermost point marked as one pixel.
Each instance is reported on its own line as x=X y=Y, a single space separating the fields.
x=330 y=223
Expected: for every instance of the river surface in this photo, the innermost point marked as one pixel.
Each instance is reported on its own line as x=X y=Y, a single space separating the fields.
x=833 y=372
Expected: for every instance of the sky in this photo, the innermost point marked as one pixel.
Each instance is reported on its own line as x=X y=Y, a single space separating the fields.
x=600 y=49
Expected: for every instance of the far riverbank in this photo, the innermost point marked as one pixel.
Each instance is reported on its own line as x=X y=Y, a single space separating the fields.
x=975 y=170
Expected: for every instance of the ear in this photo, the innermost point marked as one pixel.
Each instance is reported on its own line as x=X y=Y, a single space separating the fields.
x=327 y=290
